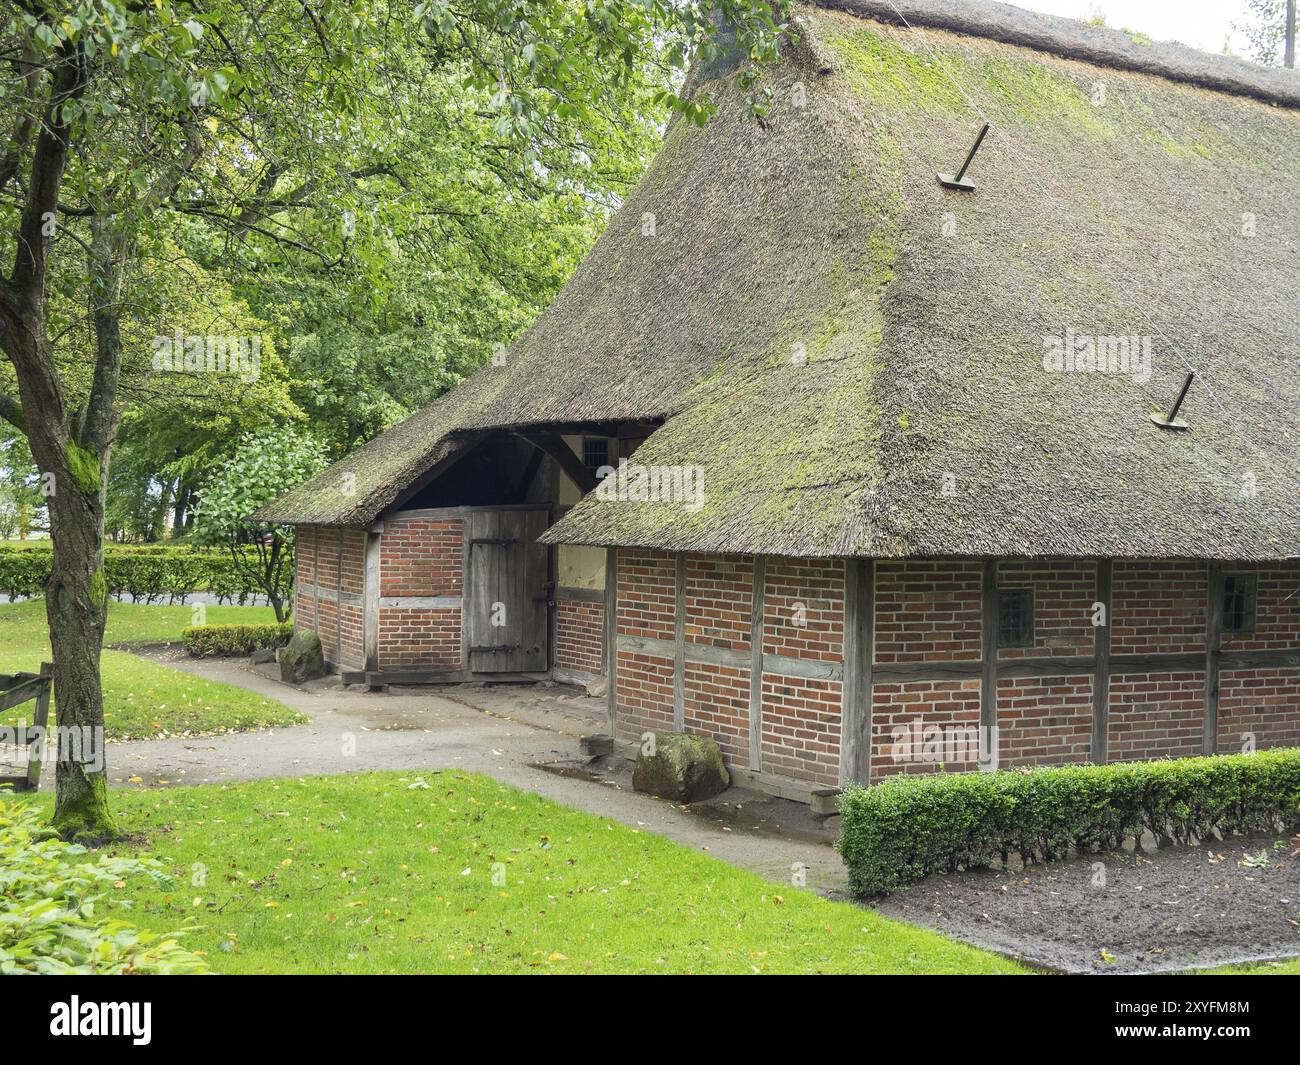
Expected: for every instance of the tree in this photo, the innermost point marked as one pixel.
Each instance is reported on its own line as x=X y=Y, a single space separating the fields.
x=259 y=118
x=265 y=466
x=1265 y=30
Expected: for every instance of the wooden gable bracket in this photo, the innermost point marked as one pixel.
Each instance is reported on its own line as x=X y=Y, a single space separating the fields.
x=553 y=444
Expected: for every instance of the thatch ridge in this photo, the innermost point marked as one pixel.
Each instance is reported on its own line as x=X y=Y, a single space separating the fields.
x=1071 y=39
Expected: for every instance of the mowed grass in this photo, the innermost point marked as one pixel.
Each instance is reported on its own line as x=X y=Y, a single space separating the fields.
x=143 y=699
x=451 y=872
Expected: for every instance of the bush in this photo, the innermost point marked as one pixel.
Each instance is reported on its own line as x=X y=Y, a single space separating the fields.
x=216 y=640
x=52 y=898
x=143 y=573
x=910 y=827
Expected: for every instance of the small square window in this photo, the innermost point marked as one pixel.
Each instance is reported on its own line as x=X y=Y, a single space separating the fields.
x=1240 y=593
x=1016 y=617
x=595 y=452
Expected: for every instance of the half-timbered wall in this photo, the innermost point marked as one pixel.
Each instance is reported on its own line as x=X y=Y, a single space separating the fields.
x=1124 y=662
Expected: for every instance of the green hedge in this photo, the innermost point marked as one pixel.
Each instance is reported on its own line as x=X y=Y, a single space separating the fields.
x=143 y=574
x=909 y=827
x=57 y=910
x=204 y=641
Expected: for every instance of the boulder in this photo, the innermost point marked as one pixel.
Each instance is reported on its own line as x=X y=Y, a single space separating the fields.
x=683 y=768
x=302 y=658
x=262 y=656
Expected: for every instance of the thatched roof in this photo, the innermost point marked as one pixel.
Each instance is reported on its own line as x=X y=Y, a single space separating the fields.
x=853 y=354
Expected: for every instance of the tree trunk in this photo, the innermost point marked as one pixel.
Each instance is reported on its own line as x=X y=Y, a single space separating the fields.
x=76 y=606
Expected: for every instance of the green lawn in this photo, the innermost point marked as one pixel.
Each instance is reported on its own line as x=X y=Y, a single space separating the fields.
x=144 y=700
x=389 y=872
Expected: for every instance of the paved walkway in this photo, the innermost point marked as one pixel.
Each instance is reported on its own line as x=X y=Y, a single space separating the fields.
x=506 y=732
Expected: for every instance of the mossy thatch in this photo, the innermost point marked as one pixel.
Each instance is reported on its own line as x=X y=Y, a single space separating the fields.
x=854 y=354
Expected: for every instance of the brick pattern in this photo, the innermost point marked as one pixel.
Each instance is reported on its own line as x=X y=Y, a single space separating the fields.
x=645 y=694
x=1043 y=721
x=1158 y=607
x=928 y=611
x=1064 y=593
x=579 y=635
x=647 y=596
x=1156 y=715
x=719 y=600
x=1261 y=704
x=420 y=556
x=419 y=639
x=801 y=728
x=803 y=609
x=716 y=703
x=925 y=727
x=1277 y=623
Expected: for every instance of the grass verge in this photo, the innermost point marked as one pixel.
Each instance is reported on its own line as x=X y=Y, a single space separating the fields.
x=143 y=699
x=454 y=872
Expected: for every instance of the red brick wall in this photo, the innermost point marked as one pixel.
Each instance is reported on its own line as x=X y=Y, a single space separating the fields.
x=716 y=703
x=647 y=596
x=1043 y=720
x=420 y=557
x=1156 y=715
x=1158 y=607
x=803 y=618
x=902 y=712
x=719 y=594
x=419 y=639
x=928 y=611
x=1277 y=626
x=304 y=602
x=579 y=635
x=1064 y=593
x=1261 y=706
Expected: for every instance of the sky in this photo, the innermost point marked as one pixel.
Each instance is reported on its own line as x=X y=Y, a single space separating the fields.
x=1203 y=24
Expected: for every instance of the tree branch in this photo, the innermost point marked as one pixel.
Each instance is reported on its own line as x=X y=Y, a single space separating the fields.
x=11 y=412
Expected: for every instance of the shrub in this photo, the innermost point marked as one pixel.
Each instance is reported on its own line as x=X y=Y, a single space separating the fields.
x=909 y=827
x=216 y=640
x=53 y=899
x=142 y=573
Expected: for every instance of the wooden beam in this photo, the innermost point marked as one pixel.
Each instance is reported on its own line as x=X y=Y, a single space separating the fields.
x=572 y=466
x=370 y=605
x=679 y=644
x=611 y=631
x=859 y=638
x=989 y=670
x=1213 y=653
x=1099 y=752
x=756 y=666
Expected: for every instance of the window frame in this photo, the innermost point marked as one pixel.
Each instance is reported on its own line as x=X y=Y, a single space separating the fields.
x=1031 y=620
x=1249 y=604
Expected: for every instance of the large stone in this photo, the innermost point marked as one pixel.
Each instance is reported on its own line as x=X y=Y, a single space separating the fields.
x=302 y=658
x=684 y=768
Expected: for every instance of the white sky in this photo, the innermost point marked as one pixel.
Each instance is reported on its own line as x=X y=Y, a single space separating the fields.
x=1203 y=24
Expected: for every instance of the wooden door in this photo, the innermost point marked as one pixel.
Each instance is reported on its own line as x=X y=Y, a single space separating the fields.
x=506 y=605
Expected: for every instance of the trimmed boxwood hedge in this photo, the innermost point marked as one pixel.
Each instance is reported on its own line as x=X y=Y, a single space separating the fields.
x=214 y=641
x=143 y=573
x=909 y=827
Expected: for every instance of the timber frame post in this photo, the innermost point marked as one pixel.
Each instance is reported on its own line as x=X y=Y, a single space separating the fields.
x=1099 y=753
x=611 y=635
x=756 y=665
x=989 y=666
x=1213 y=654
x=370 y=600
x=859 y=655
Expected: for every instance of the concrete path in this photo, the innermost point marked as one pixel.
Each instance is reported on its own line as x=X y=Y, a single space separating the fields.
x=507 y=732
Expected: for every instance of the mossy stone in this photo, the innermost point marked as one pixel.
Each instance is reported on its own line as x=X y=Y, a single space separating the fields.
x=683 y=768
